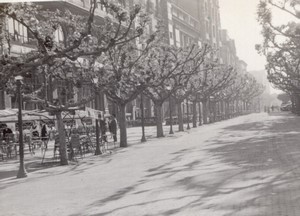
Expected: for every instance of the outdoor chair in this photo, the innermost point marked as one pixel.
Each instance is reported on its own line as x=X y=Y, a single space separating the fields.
x=2 y=152
x=75 y=146
x=87 y=144
x=56 y=148
x=36 y=142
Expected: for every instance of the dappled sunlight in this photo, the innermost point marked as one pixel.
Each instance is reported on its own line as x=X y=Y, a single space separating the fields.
x=237 y=170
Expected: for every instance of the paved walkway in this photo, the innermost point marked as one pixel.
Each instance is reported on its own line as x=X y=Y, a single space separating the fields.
x=248 y=166
x=41 y=160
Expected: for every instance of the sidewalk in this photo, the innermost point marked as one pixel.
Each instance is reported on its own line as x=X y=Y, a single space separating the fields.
x=247 y=166
x=33 y=162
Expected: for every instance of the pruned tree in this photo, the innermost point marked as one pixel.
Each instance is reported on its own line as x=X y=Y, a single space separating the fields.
x=123 y=76
x=191 y=90
x=67 y=59
x=170 y=68
x=215 y=79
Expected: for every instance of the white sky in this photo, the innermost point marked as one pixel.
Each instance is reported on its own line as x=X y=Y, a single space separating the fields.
x=239 y=18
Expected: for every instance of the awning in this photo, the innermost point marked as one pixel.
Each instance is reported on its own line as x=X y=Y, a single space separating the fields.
x=11 y=115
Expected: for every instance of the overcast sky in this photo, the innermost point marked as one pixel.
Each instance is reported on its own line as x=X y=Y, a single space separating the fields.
x=239 y=18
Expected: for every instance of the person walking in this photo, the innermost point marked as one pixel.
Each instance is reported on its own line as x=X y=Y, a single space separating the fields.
x=44 y=135
x=113 y=127
x=35 y=131
x=103 y=129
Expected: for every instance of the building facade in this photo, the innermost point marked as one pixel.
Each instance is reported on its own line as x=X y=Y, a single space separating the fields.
x=186 y=21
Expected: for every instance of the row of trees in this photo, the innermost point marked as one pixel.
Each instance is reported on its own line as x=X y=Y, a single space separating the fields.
x=64 y=63
x=281 y=45
x=115 y=56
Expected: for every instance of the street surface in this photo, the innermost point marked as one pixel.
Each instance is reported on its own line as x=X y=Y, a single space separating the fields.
x=247 y=166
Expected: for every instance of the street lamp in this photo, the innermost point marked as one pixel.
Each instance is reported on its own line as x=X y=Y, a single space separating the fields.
x=170 y=109
x=97 y=151
x=142 y=118
x=22 y=172
x=187 y=113
x=199 y=108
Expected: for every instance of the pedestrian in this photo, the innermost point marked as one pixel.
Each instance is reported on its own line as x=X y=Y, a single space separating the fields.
x=7 y=133
x=34 y=131
x=44 y=135
x=113 y=127
x=103 y=128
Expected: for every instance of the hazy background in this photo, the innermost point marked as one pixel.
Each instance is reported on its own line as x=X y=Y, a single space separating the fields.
x=239 y=18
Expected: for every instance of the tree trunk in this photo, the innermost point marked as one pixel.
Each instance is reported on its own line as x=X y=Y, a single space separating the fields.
x=62 y=140
x=297 y=105
x=226 y=110
x=204 y=102
x=222 y=108
x=122 y=125
x=180 y=117
x=159 y=120
x=214 y=108
x=200 y=113
x=194 y=114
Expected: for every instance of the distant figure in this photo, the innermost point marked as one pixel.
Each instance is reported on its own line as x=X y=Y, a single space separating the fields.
x=34 y=131
x=6 y=133
x=44 y=135
x=272 y=108
x=113 y=127
x=103 y=129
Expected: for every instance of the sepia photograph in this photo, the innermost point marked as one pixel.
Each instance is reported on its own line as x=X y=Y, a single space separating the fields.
x=149 y=107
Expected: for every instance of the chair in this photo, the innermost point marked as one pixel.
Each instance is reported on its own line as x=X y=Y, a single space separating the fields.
x=112 y=137
x=56 y=147
x=36 y=142
x=75 y=146
x=2 y=150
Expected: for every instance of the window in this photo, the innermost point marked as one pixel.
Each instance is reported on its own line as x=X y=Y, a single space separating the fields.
x=177 y=35
x=150 y=6
x=58 y=35
x=186 y=18
x=180 y=15
x=207 y=26
x=2 y=100
x=193 y=23
x=122 y=2
x=171 y=35
x=83 y=3
x=157 y=8
x=17 y=31
x=174 y=11
x=102 y=7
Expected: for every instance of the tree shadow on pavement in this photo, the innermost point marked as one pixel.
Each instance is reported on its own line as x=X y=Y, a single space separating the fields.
x=250 y=169
x=29 y=166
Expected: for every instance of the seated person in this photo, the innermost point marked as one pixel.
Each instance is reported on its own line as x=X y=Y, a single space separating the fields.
x=7 y=133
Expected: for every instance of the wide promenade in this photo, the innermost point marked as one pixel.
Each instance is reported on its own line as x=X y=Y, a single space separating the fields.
x=247 y=166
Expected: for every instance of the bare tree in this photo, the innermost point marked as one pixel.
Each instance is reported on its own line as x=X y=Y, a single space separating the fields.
x=65 y=60
x=170 y=68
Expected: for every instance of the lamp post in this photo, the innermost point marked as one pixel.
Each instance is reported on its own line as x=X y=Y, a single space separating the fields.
x=143 y=139
x=171 y=117
x=22 y=172
x=97 y=151
x=170 y=109
x=187 y=113
x=199 y=110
